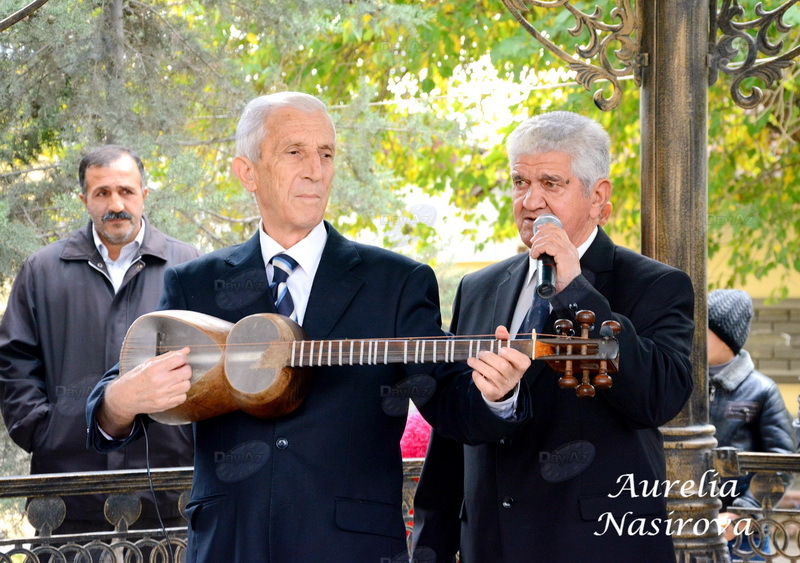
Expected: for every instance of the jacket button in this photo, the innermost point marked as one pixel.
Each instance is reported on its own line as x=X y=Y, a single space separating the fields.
x=507 y=502
x=282 y=443
x=504 y=441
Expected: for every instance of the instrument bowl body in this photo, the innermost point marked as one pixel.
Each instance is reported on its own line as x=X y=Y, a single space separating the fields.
x=260 y=373
x=162 y=331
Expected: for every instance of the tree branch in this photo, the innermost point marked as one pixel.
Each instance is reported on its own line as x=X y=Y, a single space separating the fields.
x=21 y=14
x=29 y=170
x=243 y=221
x=182 y=39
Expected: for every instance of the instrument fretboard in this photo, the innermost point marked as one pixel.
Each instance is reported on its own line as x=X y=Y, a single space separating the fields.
x=309 y=353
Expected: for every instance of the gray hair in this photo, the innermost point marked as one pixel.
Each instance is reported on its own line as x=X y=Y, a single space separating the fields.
x=102 y=157
x=580 y=137
x=252 y=130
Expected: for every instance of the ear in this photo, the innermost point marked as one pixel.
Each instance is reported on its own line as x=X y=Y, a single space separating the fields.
x=244 y=170
x=145 y=191
x=605 y=213
x=600 y=195
x=83 y=198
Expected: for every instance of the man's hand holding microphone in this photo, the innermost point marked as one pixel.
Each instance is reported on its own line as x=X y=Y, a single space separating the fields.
x=556 y=257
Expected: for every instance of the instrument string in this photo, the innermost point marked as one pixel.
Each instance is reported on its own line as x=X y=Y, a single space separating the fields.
x=310 y=353
x=147 y=343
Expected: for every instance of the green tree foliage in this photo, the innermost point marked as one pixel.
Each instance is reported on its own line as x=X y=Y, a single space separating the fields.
x=407 y=84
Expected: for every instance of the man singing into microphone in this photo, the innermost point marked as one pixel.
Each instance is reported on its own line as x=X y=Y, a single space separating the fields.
x=547 y=491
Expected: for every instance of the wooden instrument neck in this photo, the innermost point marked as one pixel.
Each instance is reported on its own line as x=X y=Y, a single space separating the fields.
x=310 y=353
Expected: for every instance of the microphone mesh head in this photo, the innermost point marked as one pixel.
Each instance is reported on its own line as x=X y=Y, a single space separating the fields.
x=546 y=218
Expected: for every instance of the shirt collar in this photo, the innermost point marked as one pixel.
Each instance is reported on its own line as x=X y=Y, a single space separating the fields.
x=130 y=247
x=581 y=251
x=307 y=252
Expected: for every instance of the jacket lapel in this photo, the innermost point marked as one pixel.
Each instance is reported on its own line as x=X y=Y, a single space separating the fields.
x=508 y=290
x=250 y=273
x=333 y=278
x=598 y=261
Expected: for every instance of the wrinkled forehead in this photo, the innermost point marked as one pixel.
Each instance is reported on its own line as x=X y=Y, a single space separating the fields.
x=291 y=125
x=544 y=162
x=123 y=171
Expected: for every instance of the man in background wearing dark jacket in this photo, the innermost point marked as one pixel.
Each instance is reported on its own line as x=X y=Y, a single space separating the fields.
x=69 y=309
x=746 y=405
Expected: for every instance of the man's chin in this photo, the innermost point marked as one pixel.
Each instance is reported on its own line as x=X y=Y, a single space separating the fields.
x=118 y=238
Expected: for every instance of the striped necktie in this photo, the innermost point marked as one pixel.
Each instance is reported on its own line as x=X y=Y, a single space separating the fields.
x=536 y=317
x=283 y=266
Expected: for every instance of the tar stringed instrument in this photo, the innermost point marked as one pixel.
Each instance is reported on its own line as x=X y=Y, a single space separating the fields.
x=262 y=363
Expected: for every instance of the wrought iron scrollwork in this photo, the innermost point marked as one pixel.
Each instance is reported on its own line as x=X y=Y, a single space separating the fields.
x=604 y=39
x=768 y=70
x=613 y=50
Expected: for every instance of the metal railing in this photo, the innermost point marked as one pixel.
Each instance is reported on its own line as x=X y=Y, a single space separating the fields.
x=773 y=534
x=770 y=532
x=46 y=511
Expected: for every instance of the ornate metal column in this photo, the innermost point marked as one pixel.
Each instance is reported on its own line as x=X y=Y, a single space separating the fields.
x=671 y=50
x=674 y=175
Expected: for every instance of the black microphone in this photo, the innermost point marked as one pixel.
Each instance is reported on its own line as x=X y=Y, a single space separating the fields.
x=545 y=265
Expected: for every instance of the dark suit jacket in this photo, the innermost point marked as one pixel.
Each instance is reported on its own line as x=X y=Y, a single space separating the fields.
x=323 y=483
x=543 y=492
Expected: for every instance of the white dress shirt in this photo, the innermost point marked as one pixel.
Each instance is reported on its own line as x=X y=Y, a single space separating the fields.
x=127 y=255
x=307 y=253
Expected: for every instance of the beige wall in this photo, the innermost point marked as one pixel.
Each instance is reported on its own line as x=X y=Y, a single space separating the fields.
x=774 y=344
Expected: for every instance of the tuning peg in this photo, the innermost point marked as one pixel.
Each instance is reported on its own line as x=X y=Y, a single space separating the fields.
x=592 y=358
x=584 y=391
x=563 y=327
x=586 y=320
x=609 y=329
x=602 y=380
x=568 y=381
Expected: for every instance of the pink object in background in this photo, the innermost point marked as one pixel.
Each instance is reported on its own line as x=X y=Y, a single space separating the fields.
x=414 y=442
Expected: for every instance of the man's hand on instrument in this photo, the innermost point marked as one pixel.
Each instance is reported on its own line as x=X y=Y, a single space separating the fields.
x=159 y=384
x=496 y=375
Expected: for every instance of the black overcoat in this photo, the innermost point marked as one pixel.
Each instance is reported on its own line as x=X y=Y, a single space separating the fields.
x=546 y=492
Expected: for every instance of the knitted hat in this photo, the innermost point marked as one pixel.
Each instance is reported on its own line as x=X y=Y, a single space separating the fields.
x=729 y=314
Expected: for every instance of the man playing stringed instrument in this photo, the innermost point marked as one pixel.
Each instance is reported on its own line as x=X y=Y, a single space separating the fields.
x=322 y=483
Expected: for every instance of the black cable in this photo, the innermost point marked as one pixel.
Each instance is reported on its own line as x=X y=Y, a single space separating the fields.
x=153 y=493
